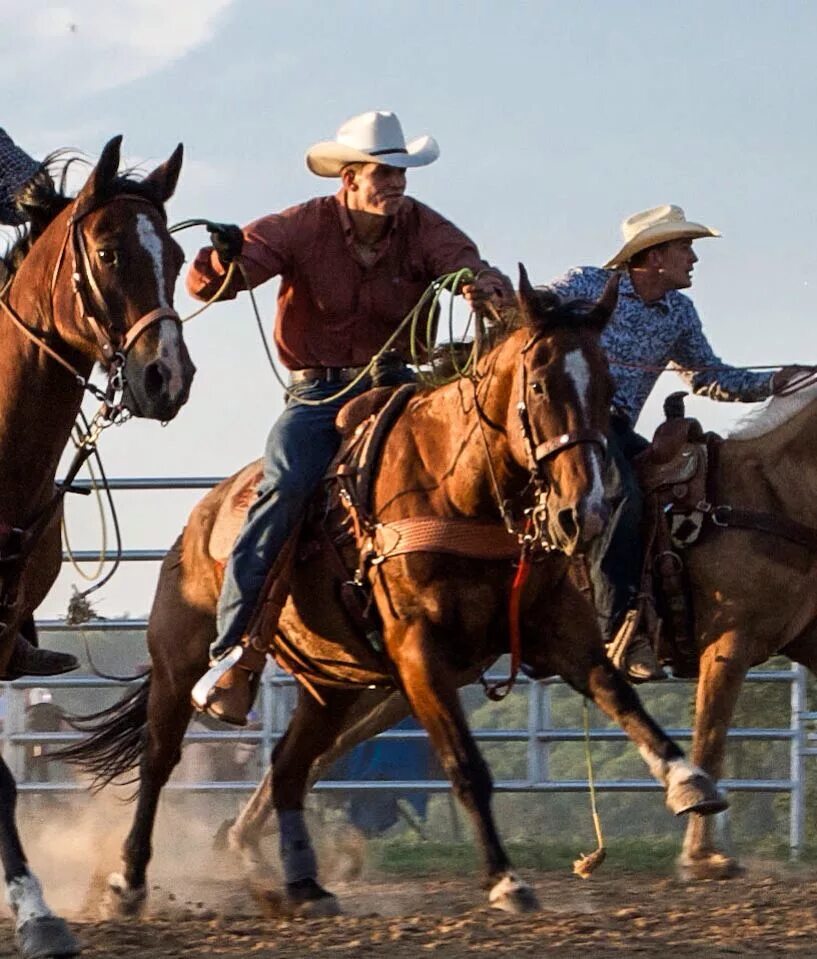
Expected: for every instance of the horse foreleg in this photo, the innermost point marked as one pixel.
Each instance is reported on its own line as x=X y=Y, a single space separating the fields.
x=373 y=712
x=577 y=655
x=431 y=690
x=311 y=732
x=724 y=664
x=39 y=932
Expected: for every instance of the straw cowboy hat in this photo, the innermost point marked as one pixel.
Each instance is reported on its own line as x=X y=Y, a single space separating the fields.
x=651 y=227
x=373 y=137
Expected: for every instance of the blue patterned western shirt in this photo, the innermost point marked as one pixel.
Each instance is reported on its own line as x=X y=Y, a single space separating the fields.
x=646 y=338
x=16 y=166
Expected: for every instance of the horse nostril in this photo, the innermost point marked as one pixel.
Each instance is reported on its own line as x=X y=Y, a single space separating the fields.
x=567 y=521
x=156 y=377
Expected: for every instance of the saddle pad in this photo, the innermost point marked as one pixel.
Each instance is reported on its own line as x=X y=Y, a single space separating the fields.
x=233 y=509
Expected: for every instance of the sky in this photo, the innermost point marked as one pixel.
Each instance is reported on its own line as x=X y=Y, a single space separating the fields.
x=556 y=119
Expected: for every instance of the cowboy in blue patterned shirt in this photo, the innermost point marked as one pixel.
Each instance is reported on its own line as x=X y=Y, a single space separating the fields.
x=653 y=327
x=16 y=169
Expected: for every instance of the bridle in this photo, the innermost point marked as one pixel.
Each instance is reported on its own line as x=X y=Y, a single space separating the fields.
x=114 y=343
x=540 y=451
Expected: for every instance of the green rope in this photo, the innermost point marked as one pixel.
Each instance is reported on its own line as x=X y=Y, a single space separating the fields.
x=584 y=866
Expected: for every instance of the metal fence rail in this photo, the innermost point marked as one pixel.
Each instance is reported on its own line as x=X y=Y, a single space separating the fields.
x=538 y=735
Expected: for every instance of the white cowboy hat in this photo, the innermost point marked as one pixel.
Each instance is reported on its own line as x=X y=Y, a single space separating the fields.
x=651 y=227
x=373 y=137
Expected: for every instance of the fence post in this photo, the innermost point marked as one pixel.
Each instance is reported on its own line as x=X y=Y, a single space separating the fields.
x=797 y=805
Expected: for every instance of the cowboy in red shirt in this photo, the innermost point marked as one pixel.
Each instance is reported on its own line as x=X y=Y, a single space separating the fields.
x=352 y=266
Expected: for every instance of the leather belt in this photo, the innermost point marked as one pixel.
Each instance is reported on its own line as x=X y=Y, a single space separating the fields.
x=326 y=374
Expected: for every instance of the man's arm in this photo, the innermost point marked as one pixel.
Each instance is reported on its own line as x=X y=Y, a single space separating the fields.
x=265 y=252
x=16 y=168
x=694 y=358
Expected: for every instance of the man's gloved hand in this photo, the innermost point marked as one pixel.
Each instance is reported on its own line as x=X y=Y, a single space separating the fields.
x=390 y=369
x=227 y=240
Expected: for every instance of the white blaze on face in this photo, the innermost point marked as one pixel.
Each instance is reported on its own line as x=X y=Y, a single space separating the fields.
x=25 y=898
x=578 y=372
x=153 y=245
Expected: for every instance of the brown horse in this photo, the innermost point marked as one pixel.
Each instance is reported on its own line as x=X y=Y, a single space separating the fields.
x=755 y=593
x=527 y=433
x=95 y=286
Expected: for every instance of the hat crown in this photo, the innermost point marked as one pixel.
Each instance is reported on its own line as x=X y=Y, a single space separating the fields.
x=377 y=131
x=647 y=219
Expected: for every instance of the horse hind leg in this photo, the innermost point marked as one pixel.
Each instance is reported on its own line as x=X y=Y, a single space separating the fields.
x=38 y=931
x=372 y=712
x=311 y=732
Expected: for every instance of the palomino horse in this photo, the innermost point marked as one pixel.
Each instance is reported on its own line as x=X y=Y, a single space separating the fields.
x=96 y=285
x=755 y=592
x=528 y=432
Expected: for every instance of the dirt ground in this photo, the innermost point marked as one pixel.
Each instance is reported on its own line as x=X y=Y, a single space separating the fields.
x=613 y=915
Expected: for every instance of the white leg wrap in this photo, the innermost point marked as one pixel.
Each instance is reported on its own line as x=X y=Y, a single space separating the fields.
x=25 y=898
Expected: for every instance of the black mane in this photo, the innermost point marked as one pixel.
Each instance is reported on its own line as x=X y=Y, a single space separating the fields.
x=44 y=196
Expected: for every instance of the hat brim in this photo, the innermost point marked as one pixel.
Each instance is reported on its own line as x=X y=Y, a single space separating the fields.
x=661 y=233
x=329 y=157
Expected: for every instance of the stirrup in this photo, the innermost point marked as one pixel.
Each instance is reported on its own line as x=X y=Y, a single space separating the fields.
x=204 y=687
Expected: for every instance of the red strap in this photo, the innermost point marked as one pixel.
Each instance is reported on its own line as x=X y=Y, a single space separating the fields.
x=499 y=691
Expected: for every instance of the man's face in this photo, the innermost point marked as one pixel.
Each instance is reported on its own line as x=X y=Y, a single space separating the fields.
x=676 y=261
x=380 y=189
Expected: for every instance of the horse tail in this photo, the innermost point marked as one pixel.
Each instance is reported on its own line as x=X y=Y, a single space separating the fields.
x=115 y=740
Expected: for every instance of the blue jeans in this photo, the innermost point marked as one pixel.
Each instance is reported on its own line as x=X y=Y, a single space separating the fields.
x=616 y=557
x=300 y=447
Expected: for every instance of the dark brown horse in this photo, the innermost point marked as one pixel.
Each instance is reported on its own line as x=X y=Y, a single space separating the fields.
x=96 y=286
x=527 y=433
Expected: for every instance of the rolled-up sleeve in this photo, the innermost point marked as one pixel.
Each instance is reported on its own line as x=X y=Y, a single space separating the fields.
x=705 y=372
x=266 y=253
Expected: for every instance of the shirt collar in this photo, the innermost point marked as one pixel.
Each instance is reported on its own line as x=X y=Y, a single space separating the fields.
x=348 y=228
x=626 y=288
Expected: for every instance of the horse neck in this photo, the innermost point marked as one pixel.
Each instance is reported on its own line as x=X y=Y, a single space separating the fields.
x=776 y=471
x=39 y=399
x=469 y=460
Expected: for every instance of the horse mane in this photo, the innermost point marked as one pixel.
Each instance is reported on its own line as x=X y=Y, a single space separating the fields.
x=772 y=414
x=45 y=195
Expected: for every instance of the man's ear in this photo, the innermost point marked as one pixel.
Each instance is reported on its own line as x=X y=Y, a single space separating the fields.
x=347 y=177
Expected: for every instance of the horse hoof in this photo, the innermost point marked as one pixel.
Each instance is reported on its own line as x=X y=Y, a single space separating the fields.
x=308 y=898
x=697 y=793
x=46 y=937
x=121 y=900
x=512 y=895
x=714 y=866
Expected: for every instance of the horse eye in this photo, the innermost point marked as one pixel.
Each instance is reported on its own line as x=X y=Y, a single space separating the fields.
x=108 y=257
x=537 y=387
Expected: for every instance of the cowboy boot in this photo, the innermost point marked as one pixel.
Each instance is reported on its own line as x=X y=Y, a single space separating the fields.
x=632 y=653
x=29 y=660
x=227 y=690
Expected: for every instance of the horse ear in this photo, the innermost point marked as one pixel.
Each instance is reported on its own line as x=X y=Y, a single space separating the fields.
x=164 y=178
x=606 y=303
x=536 y=305
x=102 y=175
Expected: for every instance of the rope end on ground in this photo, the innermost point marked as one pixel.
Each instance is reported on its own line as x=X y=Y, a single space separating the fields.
x=585 y=866
x=80 y=609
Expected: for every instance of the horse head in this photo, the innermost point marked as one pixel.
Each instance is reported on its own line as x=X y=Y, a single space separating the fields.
x=111 y=286
x=563 y=391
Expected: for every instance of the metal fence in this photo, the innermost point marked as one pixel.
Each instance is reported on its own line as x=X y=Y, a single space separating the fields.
x=538 y=735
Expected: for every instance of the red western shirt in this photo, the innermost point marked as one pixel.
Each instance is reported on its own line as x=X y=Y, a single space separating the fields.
x=334 y=309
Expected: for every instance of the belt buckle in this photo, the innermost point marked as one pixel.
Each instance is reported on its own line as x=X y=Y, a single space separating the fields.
x=333 y=374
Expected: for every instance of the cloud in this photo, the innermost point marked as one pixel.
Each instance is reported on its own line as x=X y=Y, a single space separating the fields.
x=91 y=46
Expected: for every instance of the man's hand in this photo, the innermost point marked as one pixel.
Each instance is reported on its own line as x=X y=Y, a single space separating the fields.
x=483 y=290
x=789 y=379
x=227 y=240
